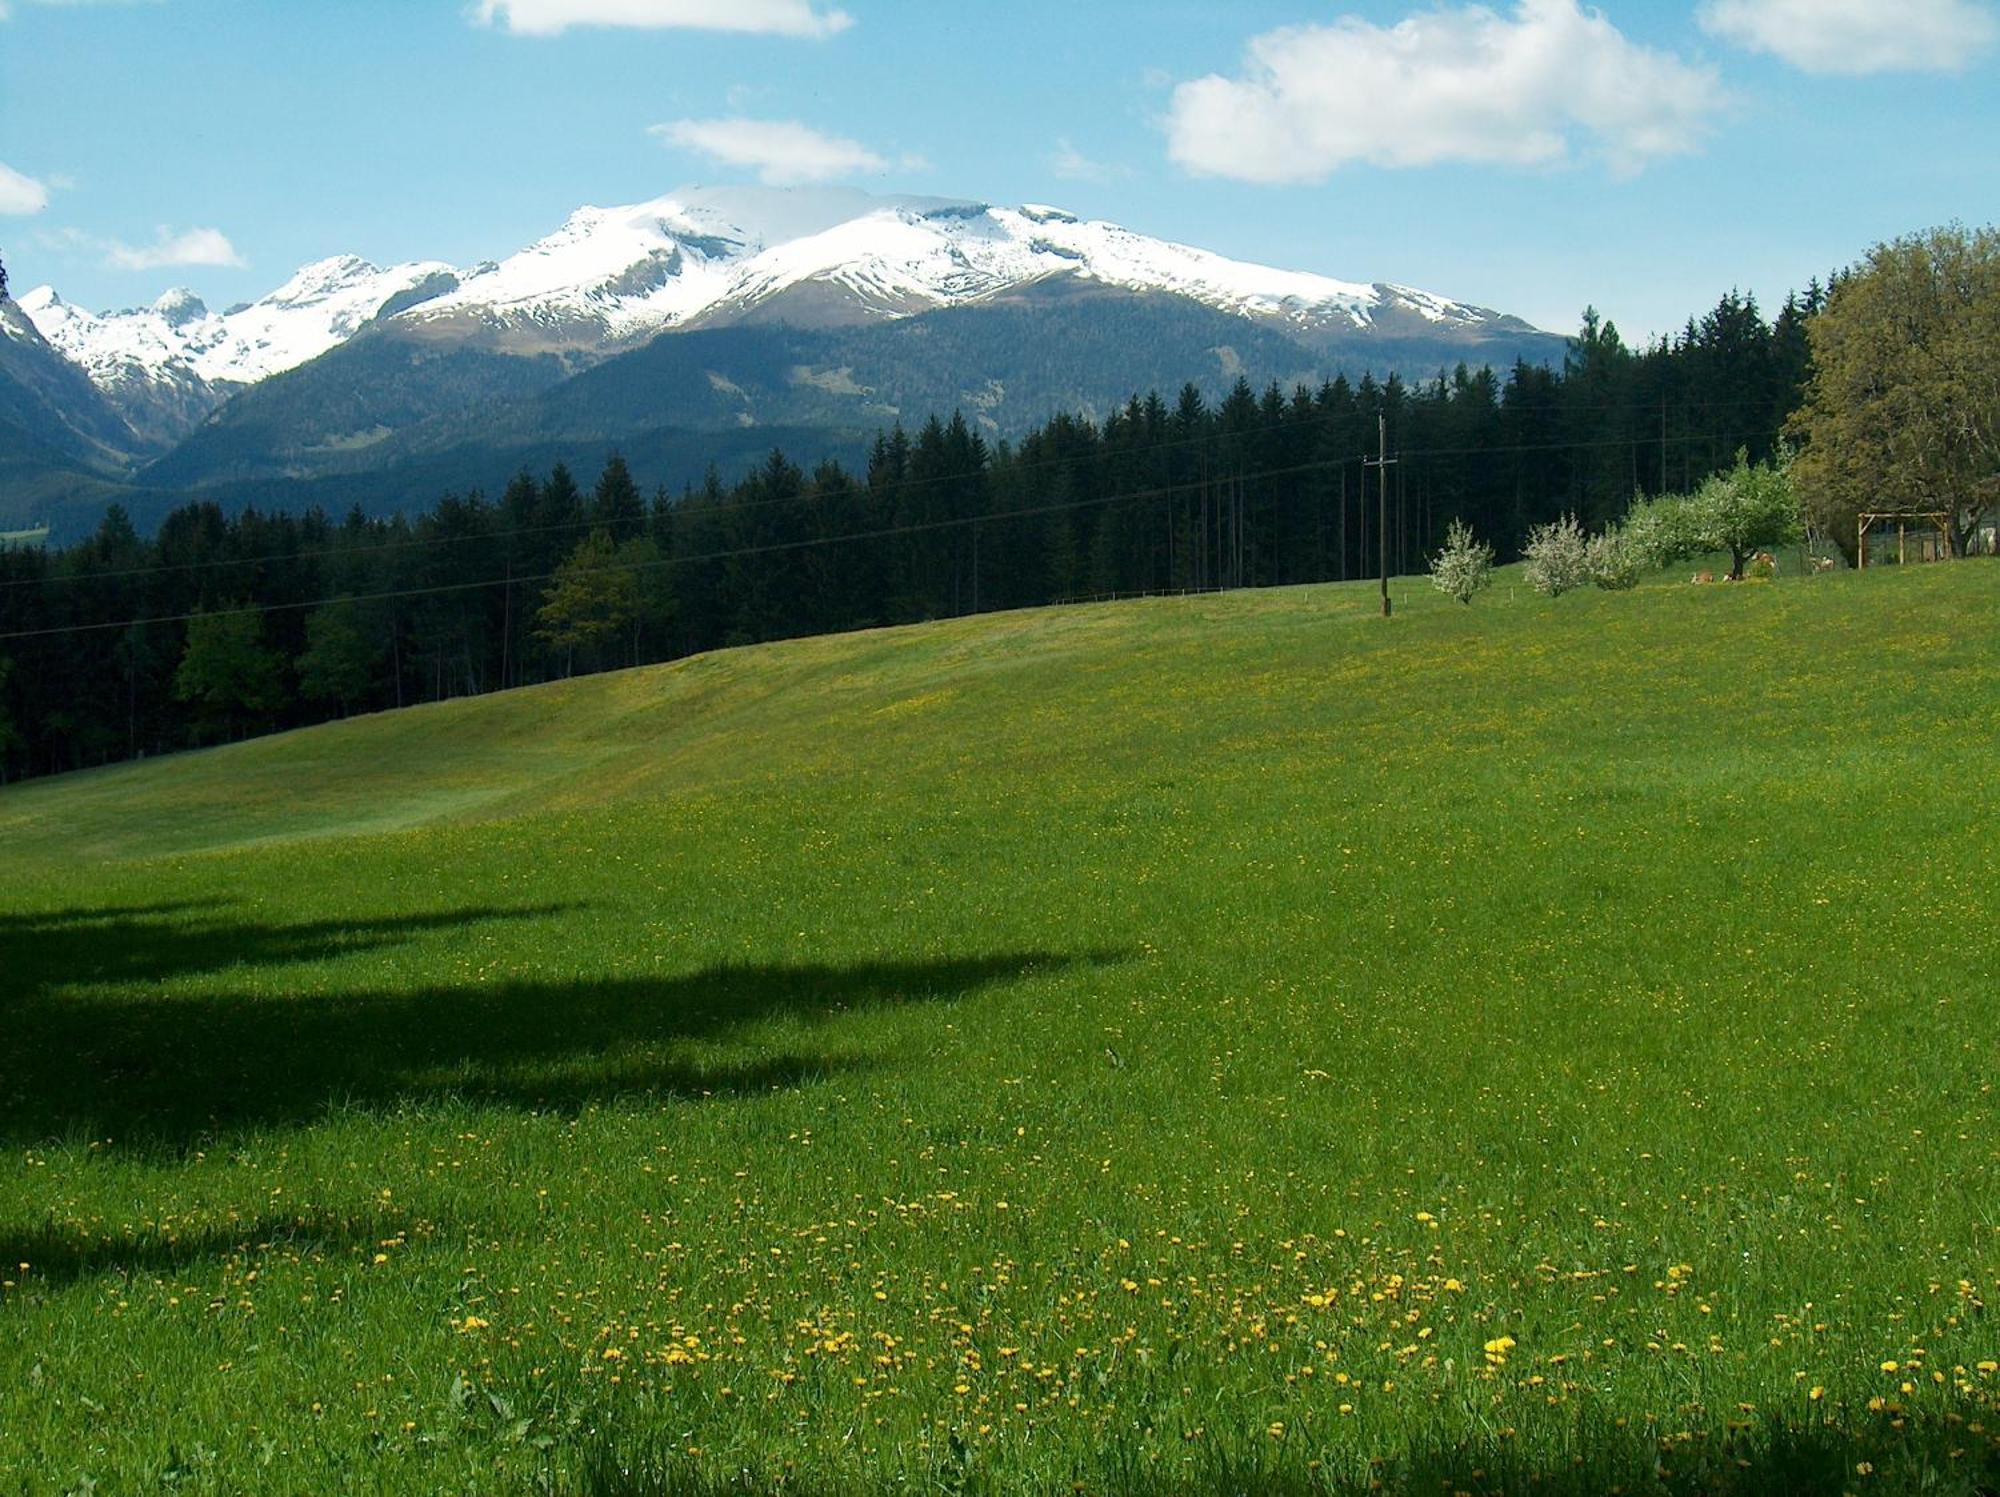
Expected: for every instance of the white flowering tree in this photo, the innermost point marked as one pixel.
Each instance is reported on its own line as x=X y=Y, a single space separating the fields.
x=1612 y=560
x=1558 y=557
x=1465 y=566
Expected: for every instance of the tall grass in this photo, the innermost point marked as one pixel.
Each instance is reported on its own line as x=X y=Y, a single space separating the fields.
x=1185 y=1046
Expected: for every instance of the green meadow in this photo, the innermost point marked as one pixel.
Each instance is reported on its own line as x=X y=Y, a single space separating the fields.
x=1204 y=1045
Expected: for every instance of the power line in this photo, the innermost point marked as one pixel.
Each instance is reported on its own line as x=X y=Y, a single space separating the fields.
x=861 y=489
x=807 y=543
x=777 y=547
x=893 y=486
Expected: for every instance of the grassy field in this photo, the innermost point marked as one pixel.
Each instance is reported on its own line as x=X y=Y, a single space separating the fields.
x=1184 y=1046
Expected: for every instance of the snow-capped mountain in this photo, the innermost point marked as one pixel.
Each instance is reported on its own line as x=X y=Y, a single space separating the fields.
x=320 y=307
x=613 y=278
x=618 y=276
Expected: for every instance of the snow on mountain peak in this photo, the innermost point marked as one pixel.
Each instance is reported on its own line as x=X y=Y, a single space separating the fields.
x=178 y=338
x=703 y=256
x=180 y=306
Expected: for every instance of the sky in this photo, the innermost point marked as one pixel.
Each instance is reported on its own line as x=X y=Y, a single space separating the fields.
x=1535 y=156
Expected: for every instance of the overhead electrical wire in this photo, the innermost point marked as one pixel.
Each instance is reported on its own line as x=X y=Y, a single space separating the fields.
x=862 y=488
x=957 y=522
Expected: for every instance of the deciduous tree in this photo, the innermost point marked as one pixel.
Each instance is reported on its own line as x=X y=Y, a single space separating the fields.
x=590 y=602
x=1465 y=566
x=1903 y=407
x=339 y=661
x=228 y=673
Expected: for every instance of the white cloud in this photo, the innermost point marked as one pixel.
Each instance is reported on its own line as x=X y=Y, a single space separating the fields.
x=1463 y=84
x=783 y=153
x=774 y=17
x=190 y=247
x=169 y=248
x=21 y=195
x=1857 y=36
x=1070 y=164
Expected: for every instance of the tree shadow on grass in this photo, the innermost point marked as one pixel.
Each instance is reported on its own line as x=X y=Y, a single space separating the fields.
x=148 y=1069
x=1956 y=1454
x=59 y=1254
x=44 y=952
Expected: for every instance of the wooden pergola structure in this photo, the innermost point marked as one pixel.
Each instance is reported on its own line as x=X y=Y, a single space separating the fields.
x=1940 y=519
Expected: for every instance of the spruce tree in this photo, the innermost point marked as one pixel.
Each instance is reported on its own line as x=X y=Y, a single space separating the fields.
x=615 y=504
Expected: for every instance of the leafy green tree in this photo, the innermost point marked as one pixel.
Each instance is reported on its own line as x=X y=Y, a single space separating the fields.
x=1903 y=407
x=591 y=601
x=1745 y=510
x=652 y=591
x=227 y=673
x=339 y=661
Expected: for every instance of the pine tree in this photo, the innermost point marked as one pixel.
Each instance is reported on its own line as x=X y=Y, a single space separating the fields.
x=615 y=503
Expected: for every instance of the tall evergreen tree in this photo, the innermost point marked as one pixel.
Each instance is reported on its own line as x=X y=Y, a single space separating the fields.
x=615 y=503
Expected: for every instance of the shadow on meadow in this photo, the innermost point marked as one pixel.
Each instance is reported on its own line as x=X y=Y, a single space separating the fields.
x=59 y=1254
x=161 y=942
x=175 y=1069
x=1955 y=1456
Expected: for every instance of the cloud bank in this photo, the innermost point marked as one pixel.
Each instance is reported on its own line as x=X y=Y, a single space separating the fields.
x=1534 y=87
x=1855 y=37
x=807 y=18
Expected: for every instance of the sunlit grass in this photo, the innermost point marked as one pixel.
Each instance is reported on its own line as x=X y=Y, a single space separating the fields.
x=1204 y=1045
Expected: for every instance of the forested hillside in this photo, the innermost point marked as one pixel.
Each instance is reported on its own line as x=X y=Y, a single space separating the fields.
x=220 y=626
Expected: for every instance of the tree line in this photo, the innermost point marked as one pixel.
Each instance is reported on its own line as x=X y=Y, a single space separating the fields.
x=219 y=625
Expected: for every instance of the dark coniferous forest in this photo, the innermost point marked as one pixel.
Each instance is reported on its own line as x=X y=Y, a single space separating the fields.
x=219 y=626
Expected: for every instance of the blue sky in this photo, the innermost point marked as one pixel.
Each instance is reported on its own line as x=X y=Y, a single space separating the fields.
x=1534 y=155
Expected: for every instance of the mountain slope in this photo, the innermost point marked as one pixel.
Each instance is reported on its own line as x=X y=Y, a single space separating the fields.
x=53 y=404
x=166 y=366
x=723 y=311
x=1008 y=361
x=612 y=278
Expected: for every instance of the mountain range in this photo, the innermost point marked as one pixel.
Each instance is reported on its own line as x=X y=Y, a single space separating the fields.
x=703 y=326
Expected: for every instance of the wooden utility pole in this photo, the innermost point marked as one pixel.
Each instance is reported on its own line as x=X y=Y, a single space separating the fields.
x=1385 y=463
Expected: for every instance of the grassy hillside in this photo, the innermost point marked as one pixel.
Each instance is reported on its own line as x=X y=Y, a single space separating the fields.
x=1207 y=1045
